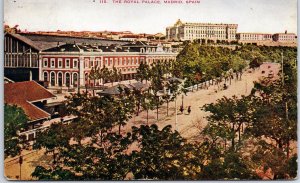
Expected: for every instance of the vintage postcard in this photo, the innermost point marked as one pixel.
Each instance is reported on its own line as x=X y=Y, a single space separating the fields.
x=150 y=90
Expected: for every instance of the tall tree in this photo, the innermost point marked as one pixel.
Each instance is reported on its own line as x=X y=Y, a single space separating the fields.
x=15 y=121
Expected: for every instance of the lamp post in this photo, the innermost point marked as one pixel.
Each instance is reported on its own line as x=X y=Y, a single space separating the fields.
x=20 y=162
x=182 y=100
x=282 y=68
x=176 y=114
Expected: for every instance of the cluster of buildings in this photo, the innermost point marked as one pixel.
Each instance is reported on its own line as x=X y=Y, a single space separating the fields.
x=62 y=61
x=38 y=67
x=51 y=61
x=222 y=32
x=112 y=35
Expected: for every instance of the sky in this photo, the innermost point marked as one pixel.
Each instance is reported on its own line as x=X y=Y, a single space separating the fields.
x=265 y=16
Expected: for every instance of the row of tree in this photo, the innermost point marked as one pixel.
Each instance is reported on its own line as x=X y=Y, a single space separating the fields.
x=90 y=149
x=243 y=134
x=111 y=75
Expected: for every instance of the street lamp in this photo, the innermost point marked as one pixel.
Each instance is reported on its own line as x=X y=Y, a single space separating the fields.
x=182 y=100
x=176 y=113
x=20 y=162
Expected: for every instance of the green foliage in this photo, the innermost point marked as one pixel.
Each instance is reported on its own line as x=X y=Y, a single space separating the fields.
x=15 y=121
x=269 y=119
x=208 y=62
x=57 y=173
x=227 y=116
x=93 y=147
x=143 y=72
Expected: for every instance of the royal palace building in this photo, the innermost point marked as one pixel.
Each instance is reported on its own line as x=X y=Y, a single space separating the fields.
x=207 y=31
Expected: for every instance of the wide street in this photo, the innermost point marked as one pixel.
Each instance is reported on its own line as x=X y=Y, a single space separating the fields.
x=189 y=125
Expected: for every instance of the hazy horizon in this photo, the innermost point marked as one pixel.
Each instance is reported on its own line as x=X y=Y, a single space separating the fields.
x=261 y=16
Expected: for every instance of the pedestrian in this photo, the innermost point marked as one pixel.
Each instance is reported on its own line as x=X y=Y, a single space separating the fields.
x=181 y=109
x=189 y=109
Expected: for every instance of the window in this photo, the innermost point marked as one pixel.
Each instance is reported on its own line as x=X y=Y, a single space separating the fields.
x=45 y=62
x=68 y=80
x=86 y=63
x=60 y=63
x=52 y=78
x=75 y=78
x=121 y=61
x=106 y=61
x=75 y=63
x=52 y=62
x=60 y=79
x=97 y=63
x=110 y=61
x=45 y=76
x=92 y=63
x=67 y=63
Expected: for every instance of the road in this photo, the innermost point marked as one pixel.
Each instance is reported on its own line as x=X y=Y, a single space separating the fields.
x=188 y=125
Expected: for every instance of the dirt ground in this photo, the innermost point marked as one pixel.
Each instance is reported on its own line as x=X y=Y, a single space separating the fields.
x=189 y=125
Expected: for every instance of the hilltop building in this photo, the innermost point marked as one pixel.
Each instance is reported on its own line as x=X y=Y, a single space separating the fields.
x=192 y=31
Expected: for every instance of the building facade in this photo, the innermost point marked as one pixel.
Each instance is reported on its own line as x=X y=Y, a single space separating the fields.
x=22 y=52
x=285 y=37
x=208 y=31
x=21 y=58
x=69 y=65
x=253 y=37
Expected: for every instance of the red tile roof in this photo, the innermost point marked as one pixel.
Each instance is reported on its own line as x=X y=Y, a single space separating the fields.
x=23 y=94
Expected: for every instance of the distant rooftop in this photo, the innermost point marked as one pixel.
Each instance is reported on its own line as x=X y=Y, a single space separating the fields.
x=44 y=42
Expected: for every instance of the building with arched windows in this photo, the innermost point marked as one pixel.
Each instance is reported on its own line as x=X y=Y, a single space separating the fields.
x=69 y=65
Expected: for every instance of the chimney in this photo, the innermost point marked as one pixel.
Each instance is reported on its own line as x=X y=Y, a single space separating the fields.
x=285 y=32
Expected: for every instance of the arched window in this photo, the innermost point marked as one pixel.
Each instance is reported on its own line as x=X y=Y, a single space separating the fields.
x=52 y=77
x=86 y=77
x=45 y=76
x=60 y=81
x=75 y=79
x=68 y=81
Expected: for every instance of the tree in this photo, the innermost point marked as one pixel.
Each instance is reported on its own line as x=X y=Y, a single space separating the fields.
x=106 y=74
x=143 y=72
x=94 y=75
x=276 y=102
x=15 y=121
x=255 y=63
x=165 y=155
x=116 y=75
x=148 y=102
x=158 y=70
x=229 y=114
x=172 y=91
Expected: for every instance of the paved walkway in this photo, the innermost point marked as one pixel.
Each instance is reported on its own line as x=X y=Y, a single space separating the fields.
x=189 y=125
